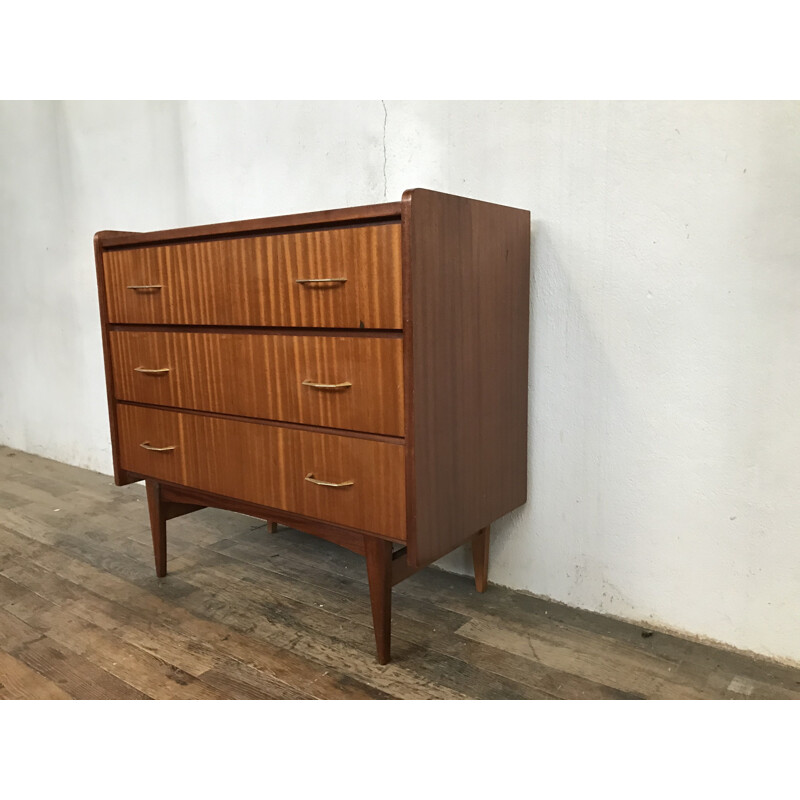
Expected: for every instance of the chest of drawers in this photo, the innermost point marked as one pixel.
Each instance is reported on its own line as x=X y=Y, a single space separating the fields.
x=359 y=374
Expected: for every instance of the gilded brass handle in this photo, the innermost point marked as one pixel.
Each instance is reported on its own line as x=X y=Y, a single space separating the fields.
x=321 y=280
x=345 y=385
x=152 y=287
x=311 y=479
x=148 y=446
x=145 y=371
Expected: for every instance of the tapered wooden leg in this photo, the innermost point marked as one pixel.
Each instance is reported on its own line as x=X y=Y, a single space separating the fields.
x=379 y=573
x=272 y=527
x=480 y=558
x=158 y=526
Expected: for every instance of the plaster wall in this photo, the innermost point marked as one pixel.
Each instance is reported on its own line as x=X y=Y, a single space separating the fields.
x=665 y=340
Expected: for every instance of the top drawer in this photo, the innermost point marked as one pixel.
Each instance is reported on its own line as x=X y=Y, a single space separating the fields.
x=333 y=278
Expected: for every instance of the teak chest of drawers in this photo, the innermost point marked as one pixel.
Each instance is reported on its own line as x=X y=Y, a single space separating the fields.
x=360 y=374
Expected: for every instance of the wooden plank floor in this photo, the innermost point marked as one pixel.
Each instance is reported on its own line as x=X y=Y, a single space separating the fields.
x=248 y=614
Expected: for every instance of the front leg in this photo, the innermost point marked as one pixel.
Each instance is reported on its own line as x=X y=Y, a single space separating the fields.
x=158 y=525
x=164 y=504
x=379 y=573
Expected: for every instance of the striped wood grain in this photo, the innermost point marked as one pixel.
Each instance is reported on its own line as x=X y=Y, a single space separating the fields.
x=261 y=375
x=252 y=281
x=267 y=464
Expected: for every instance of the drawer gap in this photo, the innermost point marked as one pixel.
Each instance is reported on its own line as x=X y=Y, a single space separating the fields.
x=276 y=423
x=375 y=333
x=135 y=241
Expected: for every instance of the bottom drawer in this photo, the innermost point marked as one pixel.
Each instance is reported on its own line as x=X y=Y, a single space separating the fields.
x=271 y=466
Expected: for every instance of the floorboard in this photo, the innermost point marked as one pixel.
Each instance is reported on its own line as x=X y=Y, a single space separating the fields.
x=244 y=614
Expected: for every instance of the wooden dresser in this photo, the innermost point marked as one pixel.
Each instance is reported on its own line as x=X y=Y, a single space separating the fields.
x=359 y=374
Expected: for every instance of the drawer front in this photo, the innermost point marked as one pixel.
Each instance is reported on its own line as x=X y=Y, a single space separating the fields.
x=277 y=280
x=268 y=465
x=272 y=376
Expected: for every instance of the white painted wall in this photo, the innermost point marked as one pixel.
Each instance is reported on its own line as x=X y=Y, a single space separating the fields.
x=665 y=381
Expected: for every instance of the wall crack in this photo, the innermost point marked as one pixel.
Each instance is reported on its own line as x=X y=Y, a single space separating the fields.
x=385 y=120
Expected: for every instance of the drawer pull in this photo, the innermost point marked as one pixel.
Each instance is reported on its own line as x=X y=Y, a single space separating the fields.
x=152 y=287
x=145 y=371
x=320 y=280
x=345 y=385
x=311 y=479
x=148 y=446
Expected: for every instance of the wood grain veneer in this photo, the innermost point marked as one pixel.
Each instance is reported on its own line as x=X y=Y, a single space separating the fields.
x=253 y=281
x=119 y=478
x=467 y=278
x=267 y=465
x=428 y=325
x=263 y=374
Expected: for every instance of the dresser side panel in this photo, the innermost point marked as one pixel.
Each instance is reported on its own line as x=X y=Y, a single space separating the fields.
x=120 y=477
x=468 y=269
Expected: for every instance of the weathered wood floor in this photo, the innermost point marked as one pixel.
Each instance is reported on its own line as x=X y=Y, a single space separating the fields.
x=246 y=614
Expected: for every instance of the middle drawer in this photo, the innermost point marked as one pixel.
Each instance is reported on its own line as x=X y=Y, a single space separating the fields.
x=349 y=382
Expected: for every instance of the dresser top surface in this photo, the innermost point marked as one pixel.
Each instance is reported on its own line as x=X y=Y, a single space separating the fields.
x=379 y=212
x=355 y=215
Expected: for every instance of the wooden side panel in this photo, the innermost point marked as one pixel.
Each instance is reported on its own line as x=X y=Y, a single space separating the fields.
x=262 y=375
x=119 y=476
x=268 y=464
x=468 y=286
x=253 y=281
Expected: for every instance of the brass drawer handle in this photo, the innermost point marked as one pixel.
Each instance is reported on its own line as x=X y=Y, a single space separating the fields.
x=152 y=287
x=148 y=446
x=145 y=371
x=345 y=385
x=320 y=280
x=311 y=479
